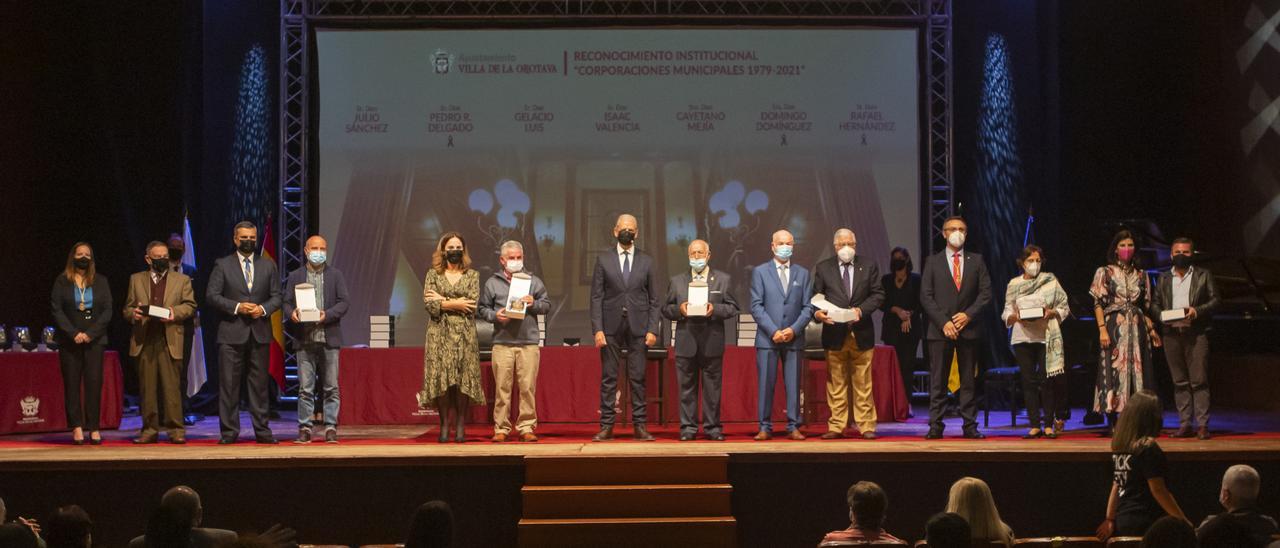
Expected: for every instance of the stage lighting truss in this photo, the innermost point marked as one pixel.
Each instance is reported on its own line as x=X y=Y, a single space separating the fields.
x=298 y=17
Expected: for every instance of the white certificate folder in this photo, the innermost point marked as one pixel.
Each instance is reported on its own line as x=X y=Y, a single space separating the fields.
x=699 y=293
x=305 y=295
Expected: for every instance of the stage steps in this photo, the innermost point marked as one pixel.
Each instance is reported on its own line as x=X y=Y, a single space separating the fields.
x=627 y=501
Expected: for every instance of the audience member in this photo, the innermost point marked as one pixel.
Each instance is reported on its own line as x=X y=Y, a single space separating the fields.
x=431 y=527
x=1170 y=532
x=68 y=527
x=1239 y=496
x=972 y=500
x=867 y=505
x=947 y=530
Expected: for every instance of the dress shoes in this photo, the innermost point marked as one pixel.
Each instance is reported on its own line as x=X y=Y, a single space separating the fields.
x=935 y=433
x=1204 y=433
x=1184 y=432
x=974 y=434
x=869 y=435
x=763 y=435
x=641 y=434
x=715 y=436
x=226 y=440
x=795 y=435
x=178 y=439
x=605 y=434
x=528 y=437
x=499 y=437
x=146 y=439
x=268 y=440
x=686 y=436
x=832 y=435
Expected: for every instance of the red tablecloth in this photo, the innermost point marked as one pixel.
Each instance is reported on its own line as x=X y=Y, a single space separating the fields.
x=378 y=386
x=31 y=393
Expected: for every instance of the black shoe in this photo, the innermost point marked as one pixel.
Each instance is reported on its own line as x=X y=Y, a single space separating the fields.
x=715 y=436
x=641 y=434
x=686 y=436
x=331 y=435
x=935 y=433
x=304 y=435
x=605 y=434
x=269 y=440
x=226 y=440
x=1184 y=432
x=95 y=441
x=974 y=434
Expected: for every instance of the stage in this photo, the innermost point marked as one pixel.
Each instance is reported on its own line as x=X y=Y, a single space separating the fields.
x=783 y=493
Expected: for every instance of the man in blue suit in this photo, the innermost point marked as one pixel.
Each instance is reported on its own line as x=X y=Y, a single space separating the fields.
x=780 y=293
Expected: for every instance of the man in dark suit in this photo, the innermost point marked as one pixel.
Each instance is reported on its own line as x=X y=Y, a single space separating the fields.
x=955 y=288
x=624 y=314
x=780 y=295
x=317 y=343
x=245 y=288
x=183 y=501
x=700 y=340
x=1186 y=345
x=177 y=249
x=849 y=281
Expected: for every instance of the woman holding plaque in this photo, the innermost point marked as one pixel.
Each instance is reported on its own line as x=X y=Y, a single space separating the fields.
x=1034 y=304
x=451 y=366
x=81 y=303
x=1121 y=293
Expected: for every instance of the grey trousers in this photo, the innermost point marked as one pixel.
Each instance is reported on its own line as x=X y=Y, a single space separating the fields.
x=1188 y=357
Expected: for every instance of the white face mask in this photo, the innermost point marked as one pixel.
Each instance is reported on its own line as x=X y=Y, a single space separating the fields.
x=846 y=254
x=1032 y=268
x=515 y=266
x=956 y=239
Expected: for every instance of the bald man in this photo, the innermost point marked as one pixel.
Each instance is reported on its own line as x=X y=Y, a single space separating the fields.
x=186 y=502
x=624 y=314
x=699 y=340
x=317 y=343
x=780 y=294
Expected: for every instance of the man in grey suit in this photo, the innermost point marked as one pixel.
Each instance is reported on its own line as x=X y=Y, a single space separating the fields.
x=700 y=340
x=955 y=288
x=1186 y=344
x=624 y=314
x=245 y=288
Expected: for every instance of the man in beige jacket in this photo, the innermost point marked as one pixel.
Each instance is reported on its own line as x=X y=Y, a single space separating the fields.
x=159 y=301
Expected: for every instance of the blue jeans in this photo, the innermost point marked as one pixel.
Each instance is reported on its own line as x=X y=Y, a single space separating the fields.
x=311 y=356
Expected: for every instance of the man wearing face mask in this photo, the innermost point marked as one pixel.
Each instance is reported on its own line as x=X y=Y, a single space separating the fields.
x=1186 y=344
x=624 y=314
x=244 y=286
x=177 y=249
x=955 y=289
x=700 y=341
x=780 y=295
x=849 y=281
x=157 y=339
x=317 y=343
x=515 y=344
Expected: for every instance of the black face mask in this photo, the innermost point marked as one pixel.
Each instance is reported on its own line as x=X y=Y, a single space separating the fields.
x=897 y=264
x=625 y=237
x=454 y=256
x=175 y=254
x=159 y=265
x=82 y=263
x=1181 y=261
x=248 y=246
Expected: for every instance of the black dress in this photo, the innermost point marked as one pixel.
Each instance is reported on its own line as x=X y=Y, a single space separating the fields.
x=907 y=298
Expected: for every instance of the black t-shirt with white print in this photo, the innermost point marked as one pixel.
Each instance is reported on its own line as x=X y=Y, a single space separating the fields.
x=1136 y=505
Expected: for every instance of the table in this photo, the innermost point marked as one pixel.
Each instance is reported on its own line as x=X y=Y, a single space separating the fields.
x=31 y=398
x=379 y=386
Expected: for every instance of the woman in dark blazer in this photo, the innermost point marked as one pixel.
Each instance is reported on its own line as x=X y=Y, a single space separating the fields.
x=81 y=302
x=902 y=324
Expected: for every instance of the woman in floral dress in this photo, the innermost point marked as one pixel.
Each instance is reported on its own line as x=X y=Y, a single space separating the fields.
x=1121 y=292
x=451 y=365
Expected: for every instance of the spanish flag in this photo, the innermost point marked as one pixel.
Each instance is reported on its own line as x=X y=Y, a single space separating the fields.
x=277 y=326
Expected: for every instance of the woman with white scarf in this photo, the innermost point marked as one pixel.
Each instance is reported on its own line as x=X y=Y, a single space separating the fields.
x=1037 y=339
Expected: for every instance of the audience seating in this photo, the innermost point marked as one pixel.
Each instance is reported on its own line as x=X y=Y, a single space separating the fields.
x=976 y=544
x=1124 y=542
x=1060 y=542
x=876 y=544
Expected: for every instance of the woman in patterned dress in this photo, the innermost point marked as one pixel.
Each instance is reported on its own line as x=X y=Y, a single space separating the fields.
x=451 y=365
x=1121 y=292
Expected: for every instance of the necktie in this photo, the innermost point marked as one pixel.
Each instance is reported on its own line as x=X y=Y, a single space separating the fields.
x=248 y=274
x=782 y=275
x=955 y=269
x=626 y=266
x=848 y=280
